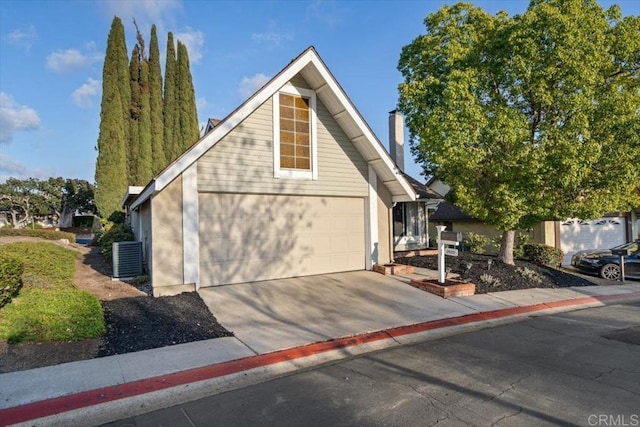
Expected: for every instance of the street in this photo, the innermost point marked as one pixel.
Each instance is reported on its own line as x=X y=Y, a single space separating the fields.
x=575 y=368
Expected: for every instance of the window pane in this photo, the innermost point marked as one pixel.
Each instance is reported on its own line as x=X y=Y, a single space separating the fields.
x=302 y=114
x=302 y=163
x=302 y=127
x=287 y=162
x=286 y=112
x=302 y=151
x=301 y=102
x=295 y=146
x=287 y=137
x=286 y=100
x=287 y=149
x=286 y=125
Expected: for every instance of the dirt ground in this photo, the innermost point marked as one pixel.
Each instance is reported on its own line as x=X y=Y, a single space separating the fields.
x=134 y=320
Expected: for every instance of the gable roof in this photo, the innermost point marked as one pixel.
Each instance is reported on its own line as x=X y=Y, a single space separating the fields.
x=422 y=190
x=328 y=90
x=450 y=212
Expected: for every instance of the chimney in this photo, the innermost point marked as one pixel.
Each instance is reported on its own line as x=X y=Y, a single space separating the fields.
x=396 y=138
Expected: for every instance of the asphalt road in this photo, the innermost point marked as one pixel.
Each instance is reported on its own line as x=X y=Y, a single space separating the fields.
x=578 y=368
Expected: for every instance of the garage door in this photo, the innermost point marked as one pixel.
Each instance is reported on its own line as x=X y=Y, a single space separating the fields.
x=603 y=233
x=246 y=238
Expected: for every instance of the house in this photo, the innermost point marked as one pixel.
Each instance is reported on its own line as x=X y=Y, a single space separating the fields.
x=410 y=219
x=570 y=235
x=291 y=183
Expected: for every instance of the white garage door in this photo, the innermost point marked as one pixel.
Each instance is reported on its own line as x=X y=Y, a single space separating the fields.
x=578 y=235
x=246 y=238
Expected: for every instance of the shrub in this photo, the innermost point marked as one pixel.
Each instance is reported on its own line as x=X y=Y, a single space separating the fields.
x=52 y=315
x=529 y=274
x=475 y=242
x=45 y=264
x=10 y=278
x=43 y=233
x=542 y=254
x=521 y=239
x=489 y=280
x=114 y=233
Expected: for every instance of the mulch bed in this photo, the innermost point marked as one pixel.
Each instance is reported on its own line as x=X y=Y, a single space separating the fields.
x=507 y=276
x=143 y=323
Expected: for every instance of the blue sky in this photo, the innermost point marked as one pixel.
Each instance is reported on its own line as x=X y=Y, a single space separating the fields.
x=51 y=56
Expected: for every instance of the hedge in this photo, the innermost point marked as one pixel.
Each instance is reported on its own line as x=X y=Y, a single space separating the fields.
x=42 y=233
x=10 y=278
x=542 y=254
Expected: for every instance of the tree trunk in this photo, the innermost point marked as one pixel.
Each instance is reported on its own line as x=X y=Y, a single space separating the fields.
x=506 y=247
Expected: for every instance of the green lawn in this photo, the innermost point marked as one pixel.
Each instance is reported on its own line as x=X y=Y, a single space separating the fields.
x=49 y=307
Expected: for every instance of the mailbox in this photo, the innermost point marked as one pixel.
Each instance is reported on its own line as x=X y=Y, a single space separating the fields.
x=451 y=236
x=620 y=252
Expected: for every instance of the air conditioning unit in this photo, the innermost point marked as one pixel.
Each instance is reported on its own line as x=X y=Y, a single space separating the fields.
x=127 y=259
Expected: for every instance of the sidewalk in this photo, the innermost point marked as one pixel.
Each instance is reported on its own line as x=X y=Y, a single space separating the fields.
x=97 y=391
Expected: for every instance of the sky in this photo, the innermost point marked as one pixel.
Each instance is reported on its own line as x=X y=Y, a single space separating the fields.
x=52 y=52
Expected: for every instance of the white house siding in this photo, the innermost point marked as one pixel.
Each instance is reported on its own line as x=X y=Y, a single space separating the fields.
x=250 y=237
x=166 y=219
x=243 y=161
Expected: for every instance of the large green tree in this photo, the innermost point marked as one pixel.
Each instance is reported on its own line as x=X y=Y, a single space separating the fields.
x=24 y=199
x=170 y=108
x=159 y=160
x=111 y=165
x=135 y=109
x=145 y=162
x=188 y=115
x=528 y=118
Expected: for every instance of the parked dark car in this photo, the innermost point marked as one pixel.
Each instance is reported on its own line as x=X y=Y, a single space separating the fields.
x=607 y=265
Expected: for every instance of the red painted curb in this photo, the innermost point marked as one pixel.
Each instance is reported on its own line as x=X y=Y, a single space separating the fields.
x=57 y=405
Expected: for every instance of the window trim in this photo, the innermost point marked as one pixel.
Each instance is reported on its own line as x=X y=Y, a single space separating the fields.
x=293 y=173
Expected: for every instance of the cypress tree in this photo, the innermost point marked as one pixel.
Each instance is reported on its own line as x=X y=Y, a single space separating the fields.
x=144 y=161
x=135 y=108
x=170 y=102
x=159 y=160
x=111 y=164
x=188 y=114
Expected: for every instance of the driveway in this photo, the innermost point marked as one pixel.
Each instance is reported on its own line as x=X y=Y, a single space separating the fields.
x=278 y=314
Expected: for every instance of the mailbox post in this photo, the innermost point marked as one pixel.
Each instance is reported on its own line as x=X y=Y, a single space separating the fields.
x=445 y=238
x=621 y=253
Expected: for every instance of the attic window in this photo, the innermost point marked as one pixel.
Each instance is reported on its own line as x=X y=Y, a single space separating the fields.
x=294 y=133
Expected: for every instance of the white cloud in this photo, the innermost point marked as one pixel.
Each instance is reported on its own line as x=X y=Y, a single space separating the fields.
x=271 y=37
x=145 y=12
x=23 y=38
x=249 y=85
x=194 y=41
x=10 y=167
x=325 y=11
x=14 y=117
x=201 y=103
x=83 y=96
x=65 y=60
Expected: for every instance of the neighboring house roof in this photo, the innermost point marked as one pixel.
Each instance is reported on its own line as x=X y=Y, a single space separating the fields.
x=448 y=212
x=422 y=191
x=321 y=80
x=211 y=123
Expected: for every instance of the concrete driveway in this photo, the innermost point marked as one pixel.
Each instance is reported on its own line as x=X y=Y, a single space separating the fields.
x=278 y=314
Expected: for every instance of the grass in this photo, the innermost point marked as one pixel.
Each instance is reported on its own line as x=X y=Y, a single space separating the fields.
x=49 y=306
x=52 y=315
x=46 y=265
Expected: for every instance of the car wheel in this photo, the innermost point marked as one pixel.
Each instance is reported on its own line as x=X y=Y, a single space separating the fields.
x=610 y=271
